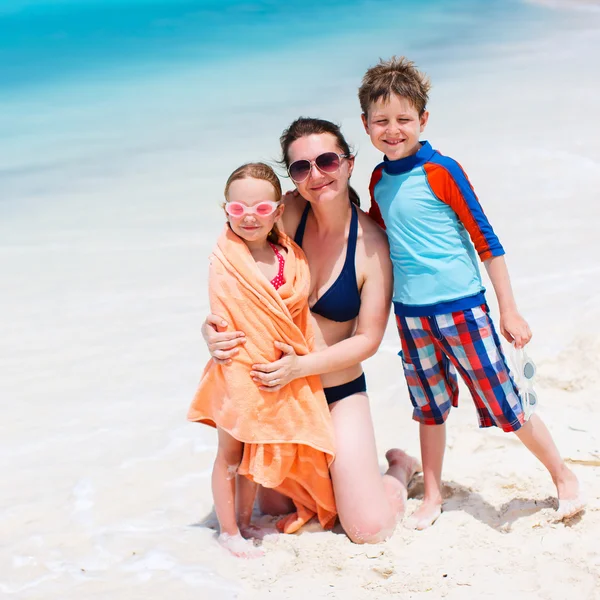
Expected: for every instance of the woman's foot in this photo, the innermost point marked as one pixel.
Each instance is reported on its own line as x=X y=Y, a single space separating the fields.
x=240 y=547
x=426 y=515
x=570 y=498
x=402 y=466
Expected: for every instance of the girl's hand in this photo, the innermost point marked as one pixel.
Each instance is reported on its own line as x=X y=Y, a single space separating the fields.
x=273 y=376
x=515 y=329
x=221 y=344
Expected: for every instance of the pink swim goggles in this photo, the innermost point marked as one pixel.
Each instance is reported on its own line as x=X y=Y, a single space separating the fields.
x=262 y=209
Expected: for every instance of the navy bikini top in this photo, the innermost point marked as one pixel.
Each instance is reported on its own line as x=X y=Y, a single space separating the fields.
x=341 y=302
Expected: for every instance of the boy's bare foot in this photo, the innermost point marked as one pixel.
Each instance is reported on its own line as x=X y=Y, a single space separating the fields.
x=425 y=516
x=570 y=498
x=240 y=547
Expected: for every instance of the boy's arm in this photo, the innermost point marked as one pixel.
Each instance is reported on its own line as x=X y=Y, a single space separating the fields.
x=512 y=325
x=451 y=185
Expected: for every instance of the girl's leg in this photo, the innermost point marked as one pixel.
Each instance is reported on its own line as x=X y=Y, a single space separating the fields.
x=273 y=503
x=229 y=455
x=535 y=436
x=245 y=496
x=368 y=504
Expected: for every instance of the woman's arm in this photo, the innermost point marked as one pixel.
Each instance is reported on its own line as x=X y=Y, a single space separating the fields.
x=376 y=296
x=512 y=325
x=222 y=345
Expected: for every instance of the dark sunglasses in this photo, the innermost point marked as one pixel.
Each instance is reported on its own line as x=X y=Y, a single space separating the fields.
x=328 y=162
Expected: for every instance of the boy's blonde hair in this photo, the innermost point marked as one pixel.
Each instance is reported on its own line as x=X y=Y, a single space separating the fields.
x=398 y=76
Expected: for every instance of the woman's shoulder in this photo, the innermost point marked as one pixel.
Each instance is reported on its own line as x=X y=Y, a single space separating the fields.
x=373 y=237
x=294 y=207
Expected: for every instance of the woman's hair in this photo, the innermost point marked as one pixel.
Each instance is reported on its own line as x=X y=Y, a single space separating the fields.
x=305 y=126
x=258 y=171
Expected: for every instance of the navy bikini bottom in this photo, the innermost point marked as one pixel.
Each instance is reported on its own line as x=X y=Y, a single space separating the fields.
x=339 y=392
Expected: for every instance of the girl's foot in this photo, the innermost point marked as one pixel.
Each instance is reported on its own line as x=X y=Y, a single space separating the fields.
x=256 y=533
x=425 y=516
x=240 y=547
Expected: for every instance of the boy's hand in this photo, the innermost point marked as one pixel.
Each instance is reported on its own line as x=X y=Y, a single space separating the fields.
x=515 y=329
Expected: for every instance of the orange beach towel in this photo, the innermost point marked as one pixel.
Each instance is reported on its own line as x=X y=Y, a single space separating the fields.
x=287 y=434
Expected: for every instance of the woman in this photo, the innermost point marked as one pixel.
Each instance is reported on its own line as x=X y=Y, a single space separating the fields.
x=350 y=299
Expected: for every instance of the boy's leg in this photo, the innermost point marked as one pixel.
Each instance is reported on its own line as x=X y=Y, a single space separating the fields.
x=433 y=390
x=476 y=351
x=535 y=436
x=229 y=455
x=433 y=445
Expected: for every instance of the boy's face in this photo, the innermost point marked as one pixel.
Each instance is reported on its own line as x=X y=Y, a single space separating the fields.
x=394 y=126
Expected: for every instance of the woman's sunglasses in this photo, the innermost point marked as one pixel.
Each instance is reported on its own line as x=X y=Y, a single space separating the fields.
x=262 y=209
x=328 y=162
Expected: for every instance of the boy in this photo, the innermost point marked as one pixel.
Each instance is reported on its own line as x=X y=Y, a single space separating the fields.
x=429 y=210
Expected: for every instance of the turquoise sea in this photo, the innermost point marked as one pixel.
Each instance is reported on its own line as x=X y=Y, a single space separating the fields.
x=43 y=42
x=91 y=84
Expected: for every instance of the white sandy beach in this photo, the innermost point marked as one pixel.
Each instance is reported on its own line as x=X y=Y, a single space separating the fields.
x=106 y=488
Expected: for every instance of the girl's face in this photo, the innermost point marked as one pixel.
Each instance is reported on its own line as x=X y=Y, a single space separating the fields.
x=321 y=185
x=258 y=195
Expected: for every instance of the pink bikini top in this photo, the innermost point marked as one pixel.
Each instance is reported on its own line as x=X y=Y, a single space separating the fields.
x=279 y=280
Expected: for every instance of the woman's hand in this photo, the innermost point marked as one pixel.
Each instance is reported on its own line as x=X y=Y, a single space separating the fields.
x=222 y=345
x=273 y=376
x=515 y=328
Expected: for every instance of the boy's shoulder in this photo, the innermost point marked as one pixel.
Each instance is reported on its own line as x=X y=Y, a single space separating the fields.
x=427 y=159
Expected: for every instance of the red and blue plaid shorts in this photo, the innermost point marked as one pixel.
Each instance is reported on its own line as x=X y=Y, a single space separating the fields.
x=434 y=348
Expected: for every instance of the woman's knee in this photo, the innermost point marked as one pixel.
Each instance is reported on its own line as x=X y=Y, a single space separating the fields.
x=368 y=530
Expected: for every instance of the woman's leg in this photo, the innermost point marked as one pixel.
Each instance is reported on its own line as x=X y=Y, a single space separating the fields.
x=368 y=504
x=229 y=455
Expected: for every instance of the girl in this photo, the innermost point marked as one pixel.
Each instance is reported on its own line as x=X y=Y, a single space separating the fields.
x=283 y=439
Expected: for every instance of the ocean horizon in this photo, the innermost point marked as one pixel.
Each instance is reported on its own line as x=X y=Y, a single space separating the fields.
x=94 y=84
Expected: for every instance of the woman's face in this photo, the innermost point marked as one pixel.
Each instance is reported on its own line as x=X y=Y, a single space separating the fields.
x=321 y=186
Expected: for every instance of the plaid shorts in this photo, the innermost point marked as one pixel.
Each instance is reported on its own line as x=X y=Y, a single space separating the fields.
x=434 y=348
